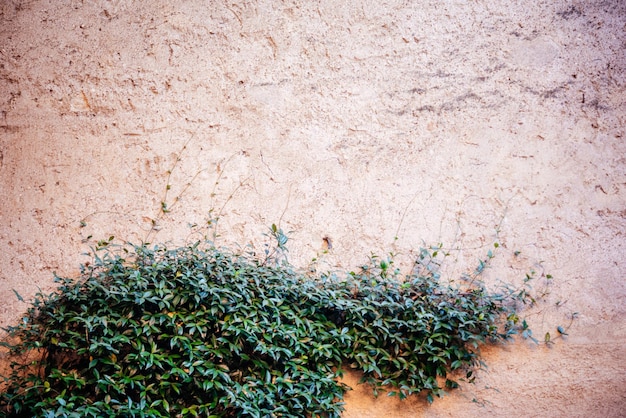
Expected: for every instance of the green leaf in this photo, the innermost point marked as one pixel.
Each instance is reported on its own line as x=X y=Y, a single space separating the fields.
x=19 y=297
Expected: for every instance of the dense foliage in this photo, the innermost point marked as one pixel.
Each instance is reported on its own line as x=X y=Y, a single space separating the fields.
x=203 y=332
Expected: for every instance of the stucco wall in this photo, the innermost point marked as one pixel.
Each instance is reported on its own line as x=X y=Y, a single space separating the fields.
x=430 y=121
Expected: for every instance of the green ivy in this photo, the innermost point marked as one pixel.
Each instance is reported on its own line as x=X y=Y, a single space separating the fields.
x=203 y=332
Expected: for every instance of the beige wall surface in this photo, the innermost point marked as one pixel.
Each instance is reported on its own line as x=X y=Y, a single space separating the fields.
x=382 y=125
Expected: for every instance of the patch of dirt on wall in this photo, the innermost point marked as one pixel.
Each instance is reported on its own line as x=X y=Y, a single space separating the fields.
x=378 y=125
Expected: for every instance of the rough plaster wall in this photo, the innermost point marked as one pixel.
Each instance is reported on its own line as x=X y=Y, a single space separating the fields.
x=429 y=121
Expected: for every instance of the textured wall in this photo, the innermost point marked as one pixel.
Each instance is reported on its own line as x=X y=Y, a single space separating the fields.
x=432 y=121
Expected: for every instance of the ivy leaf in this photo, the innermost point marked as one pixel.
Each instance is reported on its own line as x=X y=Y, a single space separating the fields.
x=19 y=297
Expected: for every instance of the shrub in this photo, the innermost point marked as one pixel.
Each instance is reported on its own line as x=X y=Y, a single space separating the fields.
x=203 y=332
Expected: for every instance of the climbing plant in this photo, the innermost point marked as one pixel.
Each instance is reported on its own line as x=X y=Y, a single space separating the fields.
x=201 y=331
